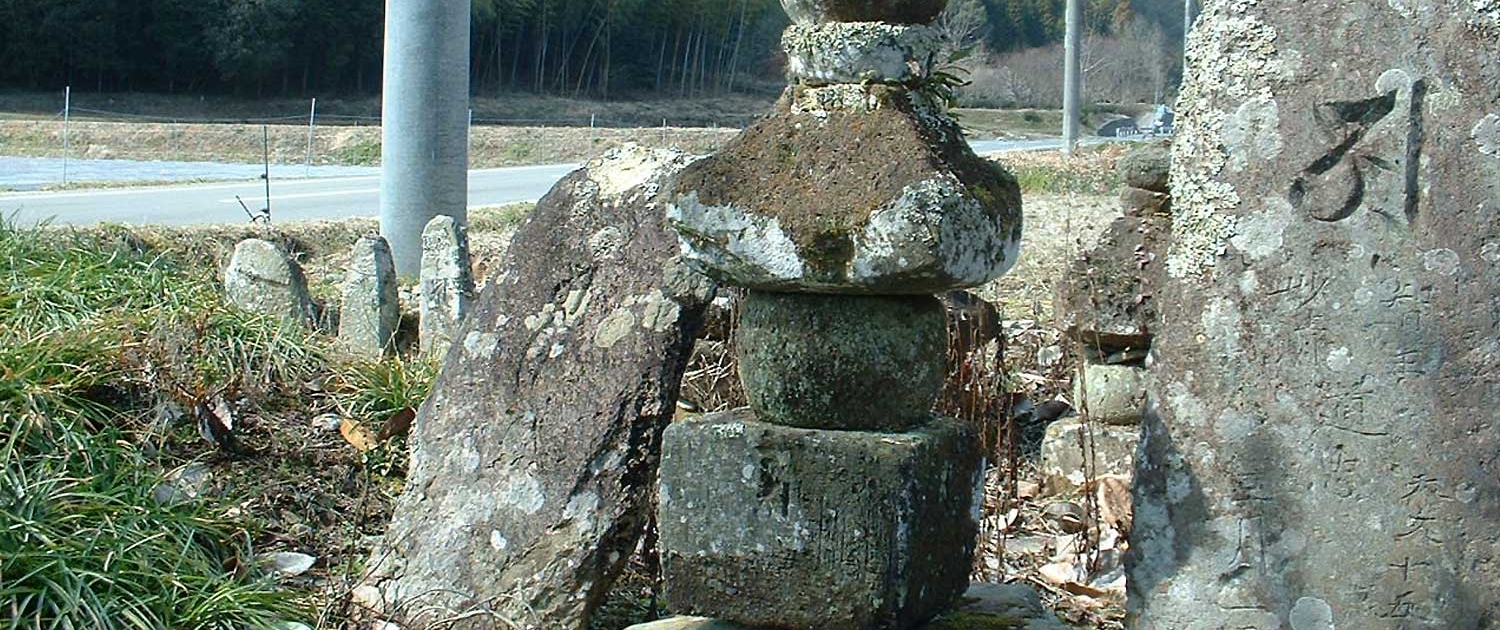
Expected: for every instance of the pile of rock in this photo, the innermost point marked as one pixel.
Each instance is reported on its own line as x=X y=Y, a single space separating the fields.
x=836 y=500
x=1105 y=306
x=262 y=278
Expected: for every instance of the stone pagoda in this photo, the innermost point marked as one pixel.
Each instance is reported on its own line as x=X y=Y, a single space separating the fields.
x=837 y=500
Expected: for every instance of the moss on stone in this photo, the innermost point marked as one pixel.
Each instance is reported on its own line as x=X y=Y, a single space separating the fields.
x=963 y=620
x=822 y=173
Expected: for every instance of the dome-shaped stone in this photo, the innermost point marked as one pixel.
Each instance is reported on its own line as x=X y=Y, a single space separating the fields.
x=808 y=12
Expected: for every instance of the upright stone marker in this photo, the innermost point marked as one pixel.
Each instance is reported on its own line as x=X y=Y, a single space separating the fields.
x=534 y=458
x=836 y=501
x=1324 y=450
x=371 y=310
x=447 y=283
x=261 y=278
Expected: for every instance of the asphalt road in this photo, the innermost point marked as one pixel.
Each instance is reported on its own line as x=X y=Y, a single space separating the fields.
x=301 y=199
x=291 y=199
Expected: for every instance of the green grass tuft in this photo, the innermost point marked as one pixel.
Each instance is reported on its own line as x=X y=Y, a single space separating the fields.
x=91 y=340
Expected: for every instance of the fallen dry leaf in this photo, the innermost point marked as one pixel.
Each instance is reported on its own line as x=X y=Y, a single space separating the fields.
x=398 y=425
x=1113 y=495
x=357 y=435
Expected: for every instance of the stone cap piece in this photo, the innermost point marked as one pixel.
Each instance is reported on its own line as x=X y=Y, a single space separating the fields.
x=849 y=189
x=807 y=12
x=859 y=52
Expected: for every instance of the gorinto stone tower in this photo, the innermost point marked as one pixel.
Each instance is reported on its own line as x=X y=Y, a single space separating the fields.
x=836 y=500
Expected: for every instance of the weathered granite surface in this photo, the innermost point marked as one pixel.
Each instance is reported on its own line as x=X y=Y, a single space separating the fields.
x=1323 y=452
x=534 y=458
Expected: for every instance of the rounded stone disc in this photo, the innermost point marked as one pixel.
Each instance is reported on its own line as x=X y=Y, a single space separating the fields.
x=864 y=363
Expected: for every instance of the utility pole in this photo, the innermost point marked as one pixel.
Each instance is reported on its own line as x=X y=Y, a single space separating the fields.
x=424 y=122
x=1072 y=77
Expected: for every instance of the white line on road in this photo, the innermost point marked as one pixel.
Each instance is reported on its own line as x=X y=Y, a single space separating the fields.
x=330 y=193
x=151 y=190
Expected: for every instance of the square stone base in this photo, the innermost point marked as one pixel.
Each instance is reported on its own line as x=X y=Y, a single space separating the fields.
x=781 y=527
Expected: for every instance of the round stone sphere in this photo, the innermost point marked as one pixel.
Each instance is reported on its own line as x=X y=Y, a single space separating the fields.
x=810 y=12
x=848 y=362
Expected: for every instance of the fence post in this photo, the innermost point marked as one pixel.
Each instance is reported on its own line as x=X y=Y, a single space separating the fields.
x=312 y=121
x=67 y=113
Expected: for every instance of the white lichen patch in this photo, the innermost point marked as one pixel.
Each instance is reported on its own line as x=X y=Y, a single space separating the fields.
x=616 y=326
x=1486 y=16
x=934 y=229
x=658 y=313
x=1260 y=234
x=1443 y=261
x=480 y=345
x=1339 y=359
x=522 y=492
x=820 y=102
x=1232 y=57
x=621 y=169
x=1252 y=134
x=606 y=243
x=749 y=248
x=1221 y=327
x=855 y=52
x=1311 y=613
x=1486 y=134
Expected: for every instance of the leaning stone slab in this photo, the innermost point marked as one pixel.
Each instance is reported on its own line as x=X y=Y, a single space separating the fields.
x=371 y=310
x=262 y=279
x=1322 y=451
x=806 y=201
x=842 y=530
x=534 y=459
x=447 y=283
x=859 y=52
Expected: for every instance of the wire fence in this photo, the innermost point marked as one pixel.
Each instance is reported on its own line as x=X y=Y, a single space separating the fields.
x=317 y=139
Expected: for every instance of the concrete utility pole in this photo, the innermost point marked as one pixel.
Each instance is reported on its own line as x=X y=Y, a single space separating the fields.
x=425 y=114
x=1072 y=77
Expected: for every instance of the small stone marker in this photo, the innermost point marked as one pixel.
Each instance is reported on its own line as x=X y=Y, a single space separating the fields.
x=534 y=458
x=371 y=310
x=262 y=279
x=447 y=283
x=837 y=500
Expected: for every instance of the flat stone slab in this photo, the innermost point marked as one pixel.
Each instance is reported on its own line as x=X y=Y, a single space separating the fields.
x=781 y=527
x=849 y=189
x=1113 y=394
x=534 y=458
x=983 y=607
